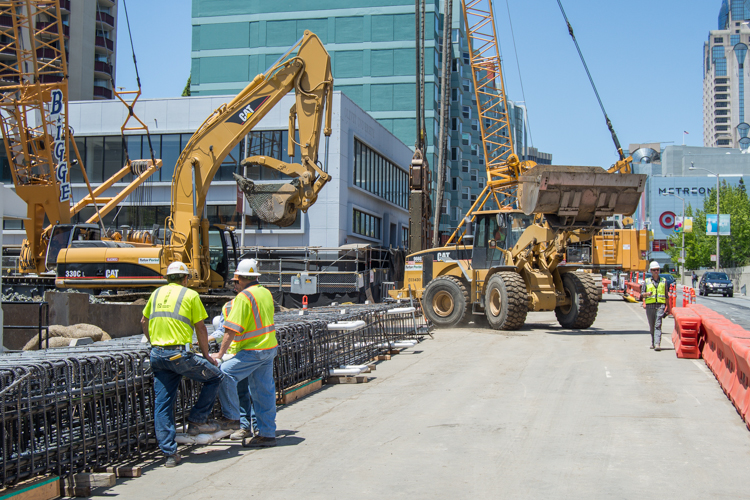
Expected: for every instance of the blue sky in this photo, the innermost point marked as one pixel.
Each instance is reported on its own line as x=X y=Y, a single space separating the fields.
x=644 y=56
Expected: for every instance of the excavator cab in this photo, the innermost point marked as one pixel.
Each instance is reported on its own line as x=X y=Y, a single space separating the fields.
x=222 y=250
x=63 y=235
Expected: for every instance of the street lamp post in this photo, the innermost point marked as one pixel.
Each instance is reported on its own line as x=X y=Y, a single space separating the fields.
x=682 y=250
x=718 y=216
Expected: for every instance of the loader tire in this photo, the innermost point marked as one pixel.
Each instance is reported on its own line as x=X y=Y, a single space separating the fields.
x=445 y=301
x=506 y=301
x=581 y=312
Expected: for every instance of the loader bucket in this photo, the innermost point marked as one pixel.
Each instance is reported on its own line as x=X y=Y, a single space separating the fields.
x=273 y=203
x=578 y=197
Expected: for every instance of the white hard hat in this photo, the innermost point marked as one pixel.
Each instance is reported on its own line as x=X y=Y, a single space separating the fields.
x=247 y=268
x=654 y=265
x=177 y=267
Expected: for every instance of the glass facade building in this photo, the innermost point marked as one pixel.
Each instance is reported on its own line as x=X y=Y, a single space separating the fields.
x=371 y=44
x=724 y=78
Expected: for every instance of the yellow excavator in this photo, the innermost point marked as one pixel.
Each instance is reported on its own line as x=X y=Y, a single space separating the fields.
x=502 y=262
x=189 y=237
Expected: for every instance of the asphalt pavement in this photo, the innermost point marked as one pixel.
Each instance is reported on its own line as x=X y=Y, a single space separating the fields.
x=476 y=413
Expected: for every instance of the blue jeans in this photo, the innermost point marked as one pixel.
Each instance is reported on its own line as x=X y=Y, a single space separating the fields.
x=247 y=414
x=257 y=367
x=167 y=377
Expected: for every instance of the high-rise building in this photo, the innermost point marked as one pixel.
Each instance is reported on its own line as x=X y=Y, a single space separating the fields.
x=724 y=75
x=92 y=48
x=372 y=48
x=90 y=31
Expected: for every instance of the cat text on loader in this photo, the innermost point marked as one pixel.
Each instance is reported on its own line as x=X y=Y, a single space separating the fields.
x=189 y=237
x=508 y=262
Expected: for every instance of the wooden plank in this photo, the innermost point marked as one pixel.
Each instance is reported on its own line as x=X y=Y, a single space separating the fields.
x=360 y=379
x=121 y=471
x=94 y=479
x=44 y=488
x=301 y=390
x=393 y=352
x=382 y=357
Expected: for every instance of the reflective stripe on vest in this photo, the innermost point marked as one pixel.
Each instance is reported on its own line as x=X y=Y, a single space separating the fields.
x=258 y=336
x=175 y=314
x=658 y=293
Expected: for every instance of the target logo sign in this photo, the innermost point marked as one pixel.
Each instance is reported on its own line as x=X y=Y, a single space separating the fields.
x=667 y=220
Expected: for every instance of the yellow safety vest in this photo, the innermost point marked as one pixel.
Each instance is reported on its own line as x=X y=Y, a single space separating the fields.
x=251 y=316
x=172 y=311
x=658 y=294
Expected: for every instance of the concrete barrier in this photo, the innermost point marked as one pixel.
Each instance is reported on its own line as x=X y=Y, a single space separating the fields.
x=117 y=319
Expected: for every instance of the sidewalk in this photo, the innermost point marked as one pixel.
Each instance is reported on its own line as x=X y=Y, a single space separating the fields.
x=541 y=413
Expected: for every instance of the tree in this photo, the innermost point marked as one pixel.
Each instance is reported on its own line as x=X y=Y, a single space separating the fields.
x=735 y=249
x=186 y=90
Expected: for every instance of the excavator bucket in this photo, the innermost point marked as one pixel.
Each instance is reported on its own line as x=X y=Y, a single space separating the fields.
x=578 y=197
x=273 y=203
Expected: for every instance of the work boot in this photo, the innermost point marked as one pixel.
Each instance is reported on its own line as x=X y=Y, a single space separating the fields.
x=241 y=434
x=173 y=460
x=206 y=428
x=259 y=442
x=226 y=424
x=657 y=348
x=652 y=346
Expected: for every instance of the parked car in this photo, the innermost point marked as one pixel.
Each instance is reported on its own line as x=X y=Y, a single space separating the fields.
x=670 y=279
x=713 y=282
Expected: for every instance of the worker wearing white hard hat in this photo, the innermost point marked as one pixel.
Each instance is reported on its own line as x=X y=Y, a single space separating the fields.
x=169 y=317
x=654 y=292
x=251 y=337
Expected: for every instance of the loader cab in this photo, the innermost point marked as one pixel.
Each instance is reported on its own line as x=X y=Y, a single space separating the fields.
x=63 y=235
x=494 y=232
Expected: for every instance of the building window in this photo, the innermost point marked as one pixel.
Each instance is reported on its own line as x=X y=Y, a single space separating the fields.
x=467 y=58
x=465 y=165
x=444 y=208
x=475 y=124
x=659 y=246
x=466 y=112
x=404 y=236
x=475 y=150
x=455 y=66
x=722 y=120
x=473 y=198
x=474 y=175
x=466 y=85
x=722 y=96
x=718 y=40
x=722 y=104
x=454 y=124
x=456 y=213
x=366 y=224
x=720 y=66
x=723 y=142
x=379 y=176
x=721 y=81
x=454 y=183
x=454 y=95
x=466 y=194
x=722 y=89
x=465 y=139
x=722 y=112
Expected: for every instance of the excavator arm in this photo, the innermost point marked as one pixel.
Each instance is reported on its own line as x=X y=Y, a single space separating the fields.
x=308 y=73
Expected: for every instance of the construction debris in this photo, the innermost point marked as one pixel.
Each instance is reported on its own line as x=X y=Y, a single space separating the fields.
x=60 y=336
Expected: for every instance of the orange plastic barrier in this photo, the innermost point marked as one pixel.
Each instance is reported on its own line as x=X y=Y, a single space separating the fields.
x=687 y=333
x=712 y=351
x=741 y=396
x=605 y=285
x=725 y=370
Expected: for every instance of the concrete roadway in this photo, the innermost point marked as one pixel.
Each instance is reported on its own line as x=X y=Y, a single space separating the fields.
x=735 y=309
x=541 y=413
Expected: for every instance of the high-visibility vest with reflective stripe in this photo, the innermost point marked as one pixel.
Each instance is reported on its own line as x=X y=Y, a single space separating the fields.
x=227 y=308
x=166 y=324
x=658 y=293
x=258 y=331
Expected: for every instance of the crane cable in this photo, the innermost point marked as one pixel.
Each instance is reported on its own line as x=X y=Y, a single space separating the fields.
x=585 y=66
x=518 y=65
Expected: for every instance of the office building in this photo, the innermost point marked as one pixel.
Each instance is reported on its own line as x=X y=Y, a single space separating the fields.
x=365 y=201
x=372 y=48
x=670 y=181
x=725 y=124
x=90 y=32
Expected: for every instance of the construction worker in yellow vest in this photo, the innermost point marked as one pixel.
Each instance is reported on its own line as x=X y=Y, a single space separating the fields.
x=654 y=291
x=251 y=337
x=168 y=320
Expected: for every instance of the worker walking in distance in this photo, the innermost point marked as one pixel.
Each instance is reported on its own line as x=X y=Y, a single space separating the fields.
x=168 y=320
x=251 y=337
x=654 y=291
x=695 y=279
